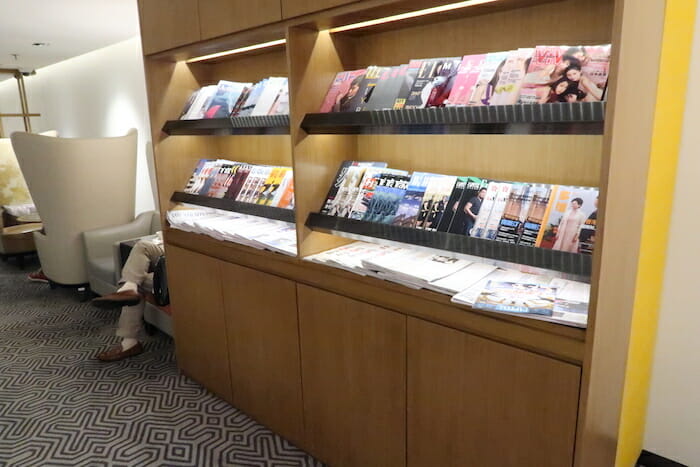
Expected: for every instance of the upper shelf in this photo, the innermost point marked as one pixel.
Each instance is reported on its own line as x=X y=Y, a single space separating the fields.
x=226 y=204
x=570 y=263
x=579 y=118
x=258 y=125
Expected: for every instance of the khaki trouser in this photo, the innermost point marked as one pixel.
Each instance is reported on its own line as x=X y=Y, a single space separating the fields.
x=141 y=260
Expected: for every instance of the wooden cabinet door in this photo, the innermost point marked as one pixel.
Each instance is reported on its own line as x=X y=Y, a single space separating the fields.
x=292 y=8
x=194 y=282
x=166 y=24
x=221 y=17
x=353 y=359
x=263 y=339
x=472 y=401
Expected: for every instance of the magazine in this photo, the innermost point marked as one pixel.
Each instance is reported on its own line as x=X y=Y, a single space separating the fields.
x=465 y=213
x=488 y=78
x=567 y=213
x=517 y=297
x=507 y=90
x=343 y=91
x=339 y=180
x=469 y=70
x=497 y=210
x=366 y=189
x=387 y=89
x=443 y=82
x=479 y=228
x=438 y=202
x=536 y=212
x=271 y=90
x=386 y=198
x=424 y=83
x=225 y=99
x=546 y=68
x=407 y=213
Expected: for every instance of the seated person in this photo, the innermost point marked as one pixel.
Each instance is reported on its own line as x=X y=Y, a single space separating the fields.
x=142 y=259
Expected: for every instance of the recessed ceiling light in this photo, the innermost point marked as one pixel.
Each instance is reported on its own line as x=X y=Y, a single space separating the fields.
x=40 y=44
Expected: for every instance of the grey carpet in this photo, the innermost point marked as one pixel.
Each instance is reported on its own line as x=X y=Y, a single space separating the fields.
x=61 y=407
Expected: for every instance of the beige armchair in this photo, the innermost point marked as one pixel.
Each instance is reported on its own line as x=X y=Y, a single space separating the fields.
x=77 y=185
x=102 y=250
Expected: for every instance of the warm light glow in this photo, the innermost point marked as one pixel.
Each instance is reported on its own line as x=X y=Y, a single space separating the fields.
x=412 y=14
x=237 y=51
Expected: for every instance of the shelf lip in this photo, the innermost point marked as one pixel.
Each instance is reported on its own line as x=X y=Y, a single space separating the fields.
x=586 y=118
x=251 y=125
x=226 y=204
x=569 y=263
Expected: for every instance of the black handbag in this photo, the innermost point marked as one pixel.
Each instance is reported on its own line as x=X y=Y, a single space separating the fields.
x=160 y=283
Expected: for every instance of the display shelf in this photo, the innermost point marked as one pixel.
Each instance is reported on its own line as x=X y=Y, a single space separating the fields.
x=286 y=215
x=258 y=125
x=569 y=263
x=584 y=118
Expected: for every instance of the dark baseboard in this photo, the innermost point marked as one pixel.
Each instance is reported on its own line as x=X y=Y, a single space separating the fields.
x=649 y=459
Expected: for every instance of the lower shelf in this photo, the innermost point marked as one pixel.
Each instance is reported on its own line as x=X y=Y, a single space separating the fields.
x=286 y=215
x=569 y=263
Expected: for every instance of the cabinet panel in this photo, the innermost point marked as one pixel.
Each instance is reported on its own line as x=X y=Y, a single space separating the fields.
x=472 y=401
x=354 y=378
x=263 y=339
x=200 y=335
x=221 y=17
x=166 y=24
x=292 y=8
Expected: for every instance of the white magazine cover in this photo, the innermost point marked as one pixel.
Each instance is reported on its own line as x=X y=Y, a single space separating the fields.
x=201 y=103
x=272 y=89
x=462 y=279
x=429 y=268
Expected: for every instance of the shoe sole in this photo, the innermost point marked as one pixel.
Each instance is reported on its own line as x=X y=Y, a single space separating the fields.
x=43 y=281
x=111 y=304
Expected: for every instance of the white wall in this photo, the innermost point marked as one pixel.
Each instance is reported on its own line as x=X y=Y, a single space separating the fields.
x=101 y=93
x=673 y=419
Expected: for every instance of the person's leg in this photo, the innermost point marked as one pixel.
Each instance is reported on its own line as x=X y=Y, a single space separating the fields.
x=130 y=322
x=142 y=258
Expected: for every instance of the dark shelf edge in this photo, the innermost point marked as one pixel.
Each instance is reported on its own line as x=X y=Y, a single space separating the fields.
x=279 y=214
x=259 y=125
x=569 y=263
x=566 y=118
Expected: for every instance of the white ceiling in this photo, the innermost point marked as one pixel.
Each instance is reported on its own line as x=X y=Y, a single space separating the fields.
x=71 y=27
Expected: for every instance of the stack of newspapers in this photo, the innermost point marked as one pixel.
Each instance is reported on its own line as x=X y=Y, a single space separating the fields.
x=256 y=232
x=469 y=281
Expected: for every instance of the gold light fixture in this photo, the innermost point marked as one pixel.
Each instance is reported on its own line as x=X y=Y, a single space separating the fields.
x=411 y=14
x=241 y=50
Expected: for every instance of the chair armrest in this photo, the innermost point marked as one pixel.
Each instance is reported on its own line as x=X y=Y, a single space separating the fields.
x=98 y=242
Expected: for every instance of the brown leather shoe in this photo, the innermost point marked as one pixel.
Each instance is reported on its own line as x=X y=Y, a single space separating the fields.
x=116 y=353
x=117 y=300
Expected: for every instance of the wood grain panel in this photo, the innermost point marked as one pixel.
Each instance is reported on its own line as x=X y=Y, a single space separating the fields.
x=263 y=339
x=292 y=8
x=354 y=376
x=198 y=312
x=220 y=17
x=561 y=159
x=561 y=22
x=472 y=401
x=251 y=68
x=166 y=24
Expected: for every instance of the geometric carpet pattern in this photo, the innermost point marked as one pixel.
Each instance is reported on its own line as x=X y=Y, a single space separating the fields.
x=59 y=406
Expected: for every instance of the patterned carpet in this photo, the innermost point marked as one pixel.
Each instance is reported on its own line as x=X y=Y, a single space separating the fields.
x=61 y=407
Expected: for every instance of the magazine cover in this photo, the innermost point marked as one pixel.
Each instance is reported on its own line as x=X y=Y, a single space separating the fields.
x=270 y=92
x=239 y=178
x=507 y=89
x=468 y=73
x=354 y=99
x=408 y=74
x=536 y=212
x=594 y=72
x=499 y=206
x=407 y=213
x=286 y=200
x=341 y=90
x=251 y=184
x=439 y=201
x=386 y=198
x=266 y=190
x=517 y=297
x=423 y=84
x=201 y=176
x=201 y=103
x=443 y=82
x=431 y=193
x=225 y=99
x=281 y=104
x=258 y=182
x=387 y=89
x=586 y=236
x=209 y=174
x=465 y=212
x=366 y=191
x=452 y=204
x=340 y=178
x=252 y=100
x=369 y=84
x=241 y=101
x=195 y=173
x=347 y=193
x=516 y=211
x=188 y=104
x=219 y=181
x=479 y=229
x=488 y=78
x=545 y=68
x=567 y=213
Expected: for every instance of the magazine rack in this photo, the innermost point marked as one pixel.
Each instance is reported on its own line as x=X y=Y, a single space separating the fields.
x=569 y=263
x=369 y=349
x=566 y=118
x=262 y=125
x=279 y=214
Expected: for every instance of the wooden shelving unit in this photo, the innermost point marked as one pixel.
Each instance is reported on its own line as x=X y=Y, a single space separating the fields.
x=269 y=212
x=453 y=385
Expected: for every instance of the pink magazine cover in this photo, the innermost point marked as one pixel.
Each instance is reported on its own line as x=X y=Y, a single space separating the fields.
x=543 y=70
x=339 y=89
x=467 y=76
x=594 y=72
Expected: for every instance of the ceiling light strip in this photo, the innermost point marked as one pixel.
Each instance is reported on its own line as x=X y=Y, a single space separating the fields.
x=249 y=48
x=411 y=14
